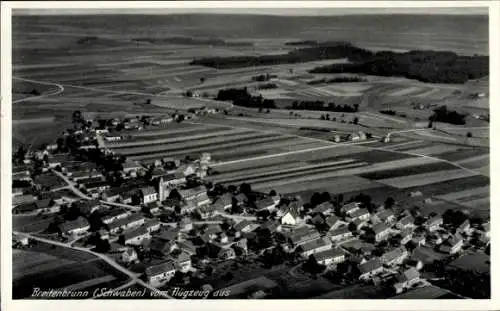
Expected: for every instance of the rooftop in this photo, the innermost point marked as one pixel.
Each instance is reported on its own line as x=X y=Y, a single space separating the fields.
x=160 y=268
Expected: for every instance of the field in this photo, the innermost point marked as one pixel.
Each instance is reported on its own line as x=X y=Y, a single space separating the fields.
x=290 y=151
x=52 y=267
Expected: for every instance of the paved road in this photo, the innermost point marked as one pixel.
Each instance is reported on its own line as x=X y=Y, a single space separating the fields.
x=133 y=276
x=60 y=89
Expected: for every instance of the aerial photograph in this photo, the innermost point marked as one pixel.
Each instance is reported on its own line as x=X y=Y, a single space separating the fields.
x=244 y=153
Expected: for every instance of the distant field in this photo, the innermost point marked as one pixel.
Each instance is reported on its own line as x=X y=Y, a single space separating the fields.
x=425 y=178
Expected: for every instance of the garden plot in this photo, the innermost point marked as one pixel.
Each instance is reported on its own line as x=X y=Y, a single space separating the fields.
x=426 y=178
x=433 y=150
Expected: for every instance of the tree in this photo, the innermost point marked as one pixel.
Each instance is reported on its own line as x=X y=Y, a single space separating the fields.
x=469 y=134
x=245 y=188
x=202 y=80
x=389 y=203
x=429 y=125
x=77 y=117
x=355 y=120
x=272 y=193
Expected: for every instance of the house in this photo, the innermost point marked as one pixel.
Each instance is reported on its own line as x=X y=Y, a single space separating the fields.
x=314 y=246
x=370 y=268
x=325 y=208
x=183 y=262
x=38 y=206
x=453 y=245
x=406 y=222
x=226 y=254
x=86 y=207
x=433 y=224
x=333 y=222
x=415 y=194
x=465 y=227
x=103 y=234
x=290 y=216
x=19 y=240
x=395 y=256
x=386 y=216
x=240 y=199
x=381 y=231
x=23 y=199
x=193 y=193
x=302 y=235
x=406 y=279
x=115 y=214
x=187 y=247
x=75 y=227
x=350 y=208
x=149 y=195
x=361 y=214
x=206 y=211
x=265 y=204
x=329 y=257
x=245 y=226
x=406 y=235
x=114 y=136
x=152 y=225
x=128 y=256
x=340 y=234
x=130 y=168
x=135 y=236
x=224 y=202
x=128 y=222
x=96 y=186
x=270 y=226
x=160 y=247
x=419 y=240
x=358 y=223
x=159 y=273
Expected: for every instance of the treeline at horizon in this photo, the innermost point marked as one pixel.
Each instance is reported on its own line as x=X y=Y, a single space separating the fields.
x=425 y=66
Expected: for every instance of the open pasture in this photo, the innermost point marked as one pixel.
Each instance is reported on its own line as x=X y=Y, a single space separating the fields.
x=28 y=262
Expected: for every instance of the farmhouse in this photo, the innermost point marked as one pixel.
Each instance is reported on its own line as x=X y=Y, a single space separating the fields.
x=406 y=279
x=333 y=222
x=225 y=201
x=360 y=214
x=340 y=234
x=149 y=195
x=434 y=223
x=302 y=235
x=96 y=186
x=46 y=205
x=113 y=136
x=370 y=268
x=76 y=227
x=314 y=246
x=152 y=225
x=350 y=208
x=115 y=214
x=270 y=226
x=329 y=256
x=406 y=235
x=183 y=262
x=130 y=168
x=245 y=226
x=160 y=272
x=381 y=232
x=406 y=222
x=193 y=193
x=453 y=245
x=131 y=221
x=325 y=208
x=465 y=227
x=386 y=216
x=394 y=257
x=23 y=199
x=265 y=204
x=135 y=236
x=160 y=247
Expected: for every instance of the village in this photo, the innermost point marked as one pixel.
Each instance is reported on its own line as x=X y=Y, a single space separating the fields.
x=161 y=219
